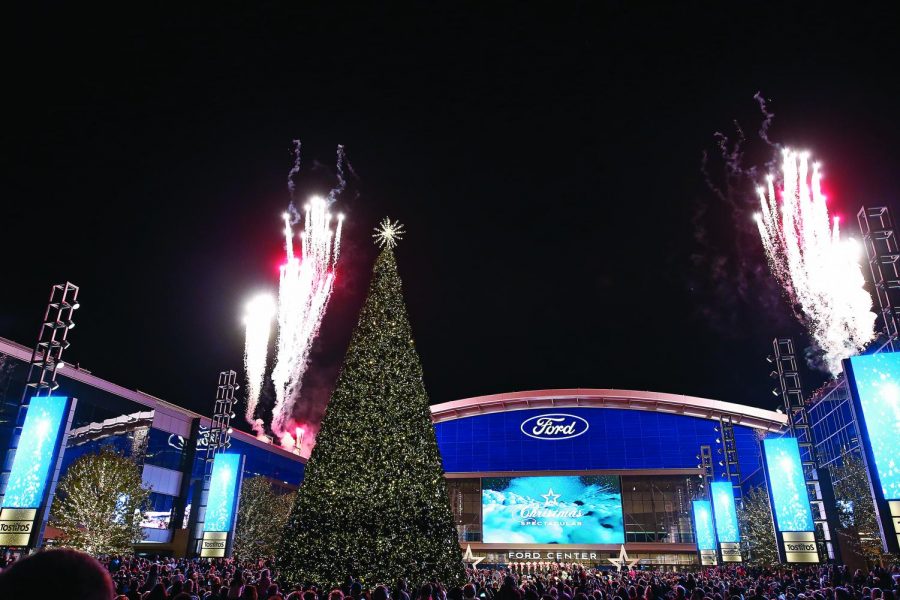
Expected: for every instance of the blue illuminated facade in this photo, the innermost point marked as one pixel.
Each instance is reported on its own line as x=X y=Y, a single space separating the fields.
x=725 y=511
x=787 y=485
x=703 y=525
x=498 y=452
x=833 y=425
x=615 y=439
x=38 y=446
x=260 y=462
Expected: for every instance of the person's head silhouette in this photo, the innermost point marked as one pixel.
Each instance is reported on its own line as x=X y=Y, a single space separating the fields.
x=57 y=574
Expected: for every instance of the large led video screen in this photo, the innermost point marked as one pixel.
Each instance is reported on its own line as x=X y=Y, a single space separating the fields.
x=34 y=456
x=703 y=525
x=877 y=379
x=222 y=492
x=725 y=511
x=788 y=485
x=552 y=510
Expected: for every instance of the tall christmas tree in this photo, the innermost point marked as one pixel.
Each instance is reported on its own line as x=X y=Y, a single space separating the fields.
x=374 y=504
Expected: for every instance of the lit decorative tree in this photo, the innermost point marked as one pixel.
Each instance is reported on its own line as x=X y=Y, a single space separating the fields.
x=261 y=519
x=374 y=502
x=856 y=507
x=99 y=502
x=757 y=529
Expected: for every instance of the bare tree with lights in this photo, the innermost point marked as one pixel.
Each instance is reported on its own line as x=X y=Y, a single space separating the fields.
x=99 y=503
x=757 y=528
x=262 y=516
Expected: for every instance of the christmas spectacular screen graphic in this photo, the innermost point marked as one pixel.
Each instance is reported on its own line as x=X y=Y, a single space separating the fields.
x=552 y=510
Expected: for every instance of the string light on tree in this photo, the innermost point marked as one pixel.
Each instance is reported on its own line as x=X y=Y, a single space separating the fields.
x=99 y=503
x=262 y=513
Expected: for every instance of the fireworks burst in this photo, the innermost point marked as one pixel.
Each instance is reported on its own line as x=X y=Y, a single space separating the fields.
x=819 y=271
x=304 y=288
x=258 y=328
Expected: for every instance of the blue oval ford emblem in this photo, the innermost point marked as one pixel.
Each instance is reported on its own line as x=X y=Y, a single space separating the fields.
x=554 y=427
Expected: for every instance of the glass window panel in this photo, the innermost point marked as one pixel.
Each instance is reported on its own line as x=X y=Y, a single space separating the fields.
x=164 y=450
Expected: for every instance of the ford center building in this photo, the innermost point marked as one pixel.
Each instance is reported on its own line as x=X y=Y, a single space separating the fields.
x=552 y=475
x=571 y=475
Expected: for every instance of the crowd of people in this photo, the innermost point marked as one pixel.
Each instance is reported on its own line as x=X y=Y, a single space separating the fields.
x=68 y=574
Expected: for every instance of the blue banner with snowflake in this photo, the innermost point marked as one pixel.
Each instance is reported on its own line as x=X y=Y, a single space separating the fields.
x=877 y=379
x=34 y=456
x=788 y=483
x=223 y=486
x=703 y=525
x=725 y=512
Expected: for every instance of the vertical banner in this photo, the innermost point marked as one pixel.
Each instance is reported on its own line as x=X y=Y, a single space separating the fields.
x=725 y=513
x=21 y=511
x=789 y=499
x=221 y=505
x=705 y=532
x=875 y=388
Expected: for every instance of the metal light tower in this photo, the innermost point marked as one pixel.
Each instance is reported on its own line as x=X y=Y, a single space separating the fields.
x=46 y=357
x=728 y=451
x=883 y=256
x=219 y=439
x=818 y=484
x=707 y=474
x=223 y=412
x=46 y=360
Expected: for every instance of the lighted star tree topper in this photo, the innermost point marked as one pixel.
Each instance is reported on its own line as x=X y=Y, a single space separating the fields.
x=388 y=233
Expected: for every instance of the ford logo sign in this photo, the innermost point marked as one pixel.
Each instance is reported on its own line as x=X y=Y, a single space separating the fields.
x=554 y=427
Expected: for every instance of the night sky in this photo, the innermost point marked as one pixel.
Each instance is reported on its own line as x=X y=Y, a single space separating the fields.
x=545 y=159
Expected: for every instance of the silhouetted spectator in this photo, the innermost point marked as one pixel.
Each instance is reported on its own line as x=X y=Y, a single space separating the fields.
x=57 y=574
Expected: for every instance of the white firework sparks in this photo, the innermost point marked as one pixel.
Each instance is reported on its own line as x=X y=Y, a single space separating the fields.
x=305 y=286
x=258 y=328
x=819 y=271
